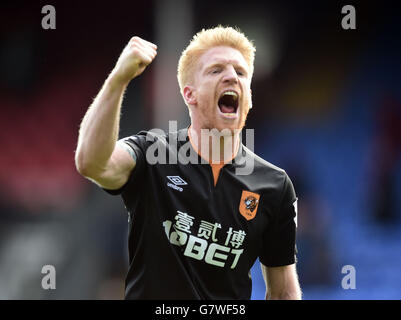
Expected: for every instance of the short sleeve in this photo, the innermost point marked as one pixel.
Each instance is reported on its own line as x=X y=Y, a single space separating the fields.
x=136 y=146
x=279 y=247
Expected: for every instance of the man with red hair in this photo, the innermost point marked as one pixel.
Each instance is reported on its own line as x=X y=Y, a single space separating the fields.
x=195 y=227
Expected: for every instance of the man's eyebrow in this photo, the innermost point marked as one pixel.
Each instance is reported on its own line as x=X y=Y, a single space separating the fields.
x=214 y=65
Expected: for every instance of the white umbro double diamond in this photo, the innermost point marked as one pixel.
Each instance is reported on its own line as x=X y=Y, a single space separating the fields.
x=176 y=182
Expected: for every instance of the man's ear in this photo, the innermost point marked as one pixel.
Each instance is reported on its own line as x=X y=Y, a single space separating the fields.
x=189 y=95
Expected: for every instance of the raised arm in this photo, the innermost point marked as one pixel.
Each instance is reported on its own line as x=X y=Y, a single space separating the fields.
x=281 y=283
x=98 y=156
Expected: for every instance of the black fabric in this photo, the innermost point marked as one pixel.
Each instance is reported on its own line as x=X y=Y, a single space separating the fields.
x=187 y=237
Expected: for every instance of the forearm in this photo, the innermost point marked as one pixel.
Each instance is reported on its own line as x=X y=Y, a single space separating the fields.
x=99 y=129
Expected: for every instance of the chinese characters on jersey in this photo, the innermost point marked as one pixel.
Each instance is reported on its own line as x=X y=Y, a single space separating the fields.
x=208 y=242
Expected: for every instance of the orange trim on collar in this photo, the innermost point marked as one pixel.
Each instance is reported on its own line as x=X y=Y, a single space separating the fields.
x=216 y=168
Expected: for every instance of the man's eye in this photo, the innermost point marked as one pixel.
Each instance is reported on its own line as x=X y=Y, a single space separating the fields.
x=215 y=70
x=240 y=73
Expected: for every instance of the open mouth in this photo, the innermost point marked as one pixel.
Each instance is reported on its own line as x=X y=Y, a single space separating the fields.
x=228 y=102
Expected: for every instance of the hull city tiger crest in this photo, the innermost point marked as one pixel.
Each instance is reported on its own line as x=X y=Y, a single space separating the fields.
x=248 y=205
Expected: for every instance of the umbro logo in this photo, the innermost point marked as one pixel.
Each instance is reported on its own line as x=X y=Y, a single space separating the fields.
x=176 y=182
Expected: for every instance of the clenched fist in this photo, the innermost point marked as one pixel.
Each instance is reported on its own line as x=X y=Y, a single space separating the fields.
x=137 y=54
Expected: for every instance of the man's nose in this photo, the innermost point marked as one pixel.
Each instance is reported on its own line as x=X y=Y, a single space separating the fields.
x=230 y=75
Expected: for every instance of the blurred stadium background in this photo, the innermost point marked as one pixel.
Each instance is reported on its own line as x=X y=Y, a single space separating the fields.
x=327 y=109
